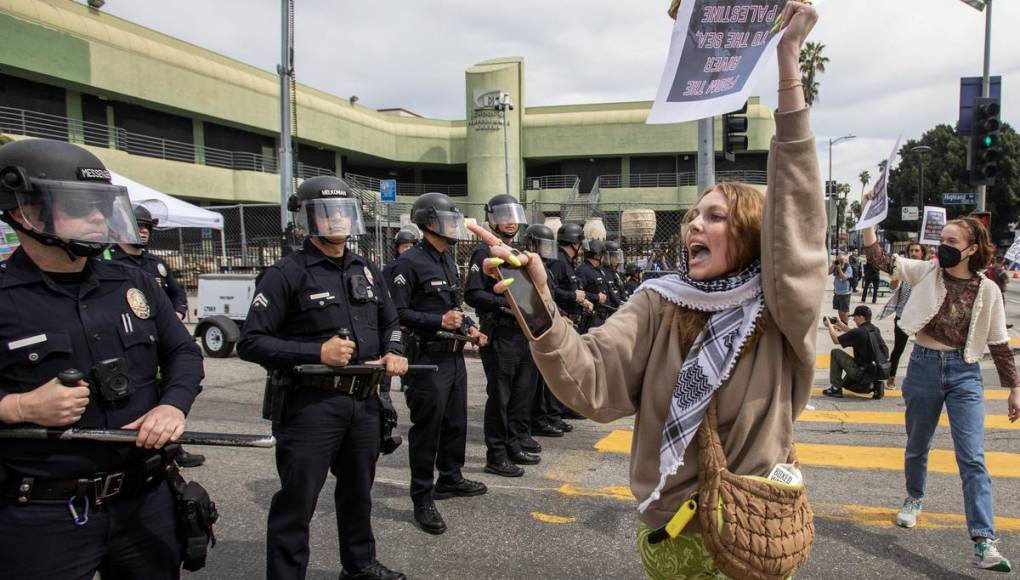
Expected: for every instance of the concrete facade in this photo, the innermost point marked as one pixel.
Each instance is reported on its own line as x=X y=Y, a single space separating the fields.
x=87 y=52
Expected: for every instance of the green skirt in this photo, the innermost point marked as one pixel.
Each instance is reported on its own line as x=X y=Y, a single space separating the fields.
x=683 y=557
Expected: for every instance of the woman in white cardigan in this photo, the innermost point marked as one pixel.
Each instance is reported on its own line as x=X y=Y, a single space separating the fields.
x=954 y=312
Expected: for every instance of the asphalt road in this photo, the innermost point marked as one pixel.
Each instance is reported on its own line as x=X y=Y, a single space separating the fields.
x=572 y=515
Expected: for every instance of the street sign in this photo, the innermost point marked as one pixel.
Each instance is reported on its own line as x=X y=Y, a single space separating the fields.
x=388 y=190
x=909 y=214
x=959 y=199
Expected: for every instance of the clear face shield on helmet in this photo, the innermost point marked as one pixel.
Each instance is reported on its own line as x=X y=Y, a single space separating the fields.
x=545 y=248
x=507 y=214
x=450 y=225
x=332 y=216
x=89 y=212
x=613 y=257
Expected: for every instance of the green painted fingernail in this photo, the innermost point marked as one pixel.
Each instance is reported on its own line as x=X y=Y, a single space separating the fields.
x=513 y=260
x=508 y=281
x=497 y=262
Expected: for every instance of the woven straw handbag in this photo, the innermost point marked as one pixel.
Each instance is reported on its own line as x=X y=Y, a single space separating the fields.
x=754 y=528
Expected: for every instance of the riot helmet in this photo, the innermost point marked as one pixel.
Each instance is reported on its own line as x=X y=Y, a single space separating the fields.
x=613 y=254
x=539 y=238
x=570 y=233
x=595 y=250
x=65 y=197
x=326 y=207
x=632 y=269
x=405 y=237
x=146 y=223
x=436 y=213
x=504 y=210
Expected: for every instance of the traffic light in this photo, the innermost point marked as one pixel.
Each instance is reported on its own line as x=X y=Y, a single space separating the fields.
x=984 y=144
x=734 y=133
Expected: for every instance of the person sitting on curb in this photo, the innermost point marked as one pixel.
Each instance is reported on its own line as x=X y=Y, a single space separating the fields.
x=857 y=373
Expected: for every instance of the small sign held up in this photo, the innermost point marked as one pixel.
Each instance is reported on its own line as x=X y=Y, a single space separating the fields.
x=931 y=226
x=909 y=214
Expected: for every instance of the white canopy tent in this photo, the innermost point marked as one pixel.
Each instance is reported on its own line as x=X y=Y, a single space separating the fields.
x=170 y=211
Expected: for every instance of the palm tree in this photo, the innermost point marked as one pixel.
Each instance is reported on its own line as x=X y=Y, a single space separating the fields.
x=882 y=164
x=811 y=63
x=865 y=178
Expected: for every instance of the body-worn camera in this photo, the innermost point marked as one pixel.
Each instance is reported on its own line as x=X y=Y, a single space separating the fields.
x=361 y=288
x=112 y=380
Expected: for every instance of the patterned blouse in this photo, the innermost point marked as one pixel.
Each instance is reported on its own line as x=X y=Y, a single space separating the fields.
x=951 y=324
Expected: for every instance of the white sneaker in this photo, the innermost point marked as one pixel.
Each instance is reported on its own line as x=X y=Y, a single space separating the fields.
x=987 y=556
x=907 y=518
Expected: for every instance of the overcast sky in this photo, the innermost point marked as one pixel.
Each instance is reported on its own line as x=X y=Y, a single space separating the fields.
x=894 y=64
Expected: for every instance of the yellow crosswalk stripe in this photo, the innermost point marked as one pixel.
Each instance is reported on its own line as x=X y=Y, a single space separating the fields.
x=1014 y=342
x=991 y=394
x=999 y=421
x=999 y=464
x=822 y=361
x=882 y=517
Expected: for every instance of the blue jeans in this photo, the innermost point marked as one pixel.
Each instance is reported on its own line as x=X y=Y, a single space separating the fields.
x=935 y=378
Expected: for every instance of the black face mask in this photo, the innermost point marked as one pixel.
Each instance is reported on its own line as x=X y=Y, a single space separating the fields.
x=949 y=256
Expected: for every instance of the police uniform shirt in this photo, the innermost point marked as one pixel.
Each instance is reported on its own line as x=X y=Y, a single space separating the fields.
x=565 y=283
x=592 y=282
x=478 y=292
x=425 y=287
x=160 y=271
x=302 y=300
x=613 y=294
x=112 y=311
x=631 y=286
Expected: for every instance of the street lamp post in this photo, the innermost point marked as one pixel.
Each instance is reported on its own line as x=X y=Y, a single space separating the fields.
x=921 y=151
x=832 y=193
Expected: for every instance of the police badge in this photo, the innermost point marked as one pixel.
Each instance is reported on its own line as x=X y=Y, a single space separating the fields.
x=161 y=269
x=138 y=303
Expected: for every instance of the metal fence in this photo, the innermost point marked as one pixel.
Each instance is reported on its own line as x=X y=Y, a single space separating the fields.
x=251 y=239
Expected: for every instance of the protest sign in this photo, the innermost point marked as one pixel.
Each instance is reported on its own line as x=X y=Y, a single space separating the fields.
x=931 y=226
x=876 y=210
x=1013 y=253
x=718 y=49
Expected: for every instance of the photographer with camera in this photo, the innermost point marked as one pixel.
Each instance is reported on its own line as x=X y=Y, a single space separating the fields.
x=866 y=371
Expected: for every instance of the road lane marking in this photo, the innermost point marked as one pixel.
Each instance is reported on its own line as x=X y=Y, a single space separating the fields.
x=881 y=517
x=822 y=361
x=991 y=394
x=551 y=519
x=992 y=421
x=999 y=464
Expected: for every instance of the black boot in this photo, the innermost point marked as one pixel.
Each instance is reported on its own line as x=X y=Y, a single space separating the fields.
x=376 y=571
x=503 y=469
x=462 y=488
x=428 y=518
x=185 y=459
x=834 y=392
x=879 y=390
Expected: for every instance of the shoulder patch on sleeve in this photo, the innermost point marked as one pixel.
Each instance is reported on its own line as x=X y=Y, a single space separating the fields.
x=260 y=302
x=474 y=267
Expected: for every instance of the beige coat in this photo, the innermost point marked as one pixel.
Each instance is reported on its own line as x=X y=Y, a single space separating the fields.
x=630 y=364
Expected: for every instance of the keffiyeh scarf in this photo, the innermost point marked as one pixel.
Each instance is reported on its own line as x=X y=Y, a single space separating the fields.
x=736 y=303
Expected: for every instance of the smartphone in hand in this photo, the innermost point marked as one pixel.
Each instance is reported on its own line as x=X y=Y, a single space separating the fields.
x=533 y=315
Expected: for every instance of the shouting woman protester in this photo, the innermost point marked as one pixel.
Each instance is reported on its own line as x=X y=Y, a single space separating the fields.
x=736 y=324
x=954 y=313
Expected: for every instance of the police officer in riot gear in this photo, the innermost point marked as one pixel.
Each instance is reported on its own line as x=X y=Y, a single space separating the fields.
x=593 y=282
x=323 y=304
x=633 y=275
x=70 y=509
x=509 y=370
x=137 y=255
x=571 y=298
x=613 y=258
x=546 y=410
x=426 y=290
x=404 y=240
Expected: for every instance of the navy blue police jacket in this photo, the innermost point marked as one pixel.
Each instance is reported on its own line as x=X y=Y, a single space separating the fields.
x=159 y=270
x=565 y=283
x=118 y=312
x=426 y=286
x=303 y=299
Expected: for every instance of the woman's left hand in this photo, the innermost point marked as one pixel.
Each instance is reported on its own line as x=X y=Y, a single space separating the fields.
x=1013 y=404
x=799 y=19
x=502 y=253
